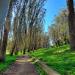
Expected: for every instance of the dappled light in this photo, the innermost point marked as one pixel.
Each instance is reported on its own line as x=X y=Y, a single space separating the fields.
x=37 y=37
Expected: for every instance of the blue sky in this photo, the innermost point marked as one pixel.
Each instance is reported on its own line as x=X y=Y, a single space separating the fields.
x=52 y=8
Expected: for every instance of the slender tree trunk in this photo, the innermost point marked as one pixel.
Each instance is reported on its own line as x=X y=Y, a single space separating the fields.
x=30 y=40
x=24 y=50
x=4 y=44
x=3 y=12
x=13 y=48
x=71 y=17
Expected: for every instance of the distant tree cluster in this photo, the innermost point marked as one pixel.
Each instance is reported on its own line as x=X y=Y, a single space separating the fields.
x=59 y=30
x=63 y=29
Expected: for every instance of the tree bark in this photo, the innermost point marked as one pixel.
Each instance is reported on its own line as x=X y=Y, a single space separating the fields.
x=71 y=22
x=4 y=44
x=24 y=50
x=13 y=48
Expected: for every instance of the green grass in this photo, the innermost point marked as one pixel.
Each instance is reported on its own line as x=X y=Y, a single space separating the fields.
x=39 y=69
x=6 y=64
x=61 y=59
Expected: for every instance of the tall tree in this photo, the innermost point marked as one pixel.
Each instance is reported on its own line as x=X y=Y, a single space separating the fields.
x=6 y=30
x=59 y=31
x=71 y=17
x=3 y=13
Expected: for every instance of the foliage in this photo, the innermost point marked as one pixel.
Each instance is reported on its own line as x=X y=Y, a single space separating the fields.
x=59 y=30
x=7 y=63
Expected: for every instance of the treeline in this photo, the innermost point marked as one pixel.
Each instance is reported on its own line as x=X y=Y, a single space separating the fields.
x=62 y=31
x=23 y=29
x=59 y=30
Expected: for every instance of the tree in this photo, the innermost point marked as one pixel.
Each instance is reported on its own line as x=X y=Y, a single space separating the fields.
x=27 y=25
x=6 y=30
x=71 y=22
x=59 y=30
x=3 y=13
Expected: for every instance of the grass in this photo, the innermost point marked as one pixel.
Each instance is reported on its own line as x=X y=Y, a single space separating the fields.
x=6 y=64
x=61 y=59
x=39 y=69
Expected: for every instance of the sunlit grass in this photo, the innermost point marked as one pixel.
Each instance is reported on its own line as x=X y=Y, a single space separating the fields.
x=62 y=59
x=6 y=64
x=39 y=69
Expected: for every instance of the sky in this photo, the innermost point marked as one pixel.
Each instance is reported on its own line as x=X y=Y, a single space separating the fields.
x=52 y=9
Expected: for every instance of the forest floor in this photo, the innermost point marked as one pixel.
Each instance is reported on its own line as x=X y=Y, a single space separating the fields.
x=22 y=66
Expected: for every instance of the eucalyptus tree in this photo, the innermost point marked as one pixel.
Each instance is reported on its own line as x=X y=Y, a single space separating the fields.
x=59 y=31
x=35 y=7
x=71 y=22
x=16 y=26
x=6 y=27
x=4 y=21
x=3 y=13
x=31 y=16
x=28 y=24
x=62 y=27
x=2 y=18
x=38 y=29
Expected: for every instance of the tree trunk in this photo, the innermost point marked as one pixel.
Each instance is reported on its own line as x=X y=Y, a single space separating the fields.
x=4 y=44
x=3 y=12
x=13 y=48
x=71 y=18
x=24 y=50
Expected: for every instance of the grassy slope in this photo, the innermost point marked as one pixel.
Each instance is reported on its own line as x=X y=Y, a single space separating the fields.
x=6 y=64
x=39 y=69
x=59 y=58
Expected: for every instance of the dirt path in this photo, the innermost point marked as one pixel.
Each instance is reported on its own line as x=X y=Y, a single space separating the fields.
x=22 y=66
